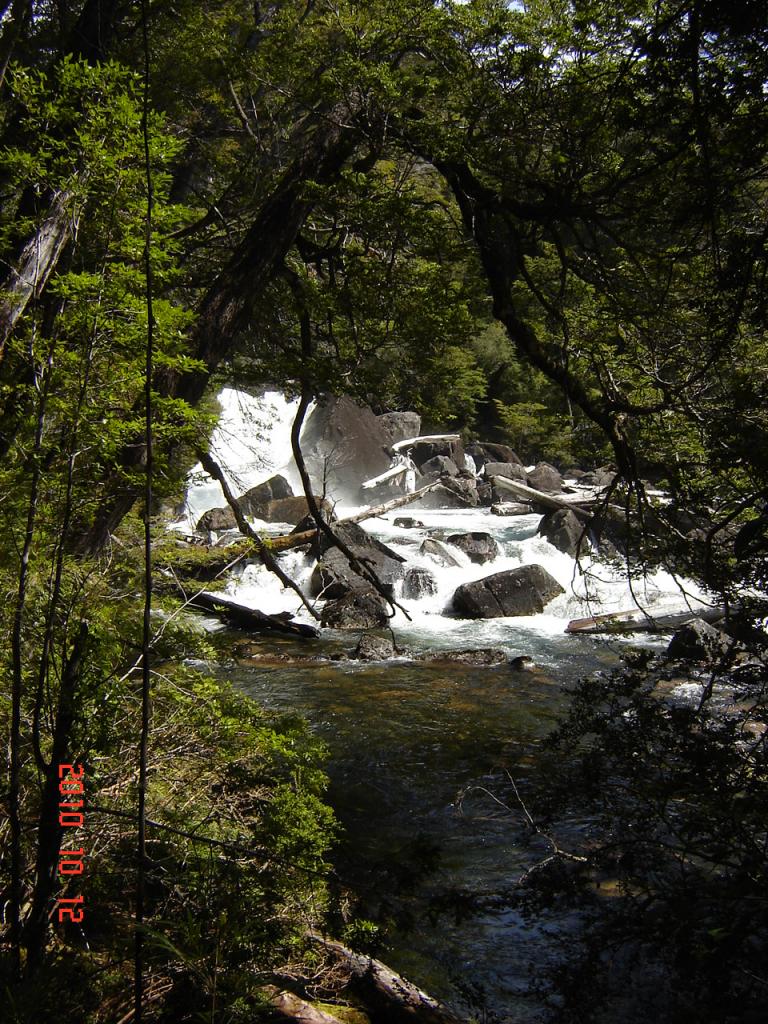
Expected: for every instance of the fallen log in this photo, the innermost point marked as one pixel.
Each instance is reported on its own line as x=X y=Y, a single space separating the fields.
x=637 y=621
x=580 y=506
x=391 y=474
x=243 y=617
x=426 y=439
x=291 y=1007
x=385 y=994
x=295 y=540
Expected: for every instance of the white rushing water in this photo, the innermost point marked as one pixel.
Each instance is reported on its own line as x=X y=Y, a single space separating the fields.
x=253 y=442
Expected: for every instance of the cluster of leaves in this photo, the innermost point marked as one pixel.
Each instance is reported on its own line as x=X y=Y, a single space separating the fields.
x=237 y=852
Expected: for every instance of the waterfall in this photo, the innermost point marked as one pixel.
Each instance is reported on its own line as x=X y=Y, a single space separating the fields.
x=252 y=443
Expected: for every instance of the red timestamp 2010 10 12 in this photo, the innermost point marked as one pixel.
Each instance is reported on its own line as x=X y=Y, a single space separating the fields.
x=71 y=858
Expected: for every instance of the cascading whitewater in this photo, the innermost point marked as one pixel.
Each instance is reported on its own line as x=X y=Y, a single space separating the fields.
x=252 y=442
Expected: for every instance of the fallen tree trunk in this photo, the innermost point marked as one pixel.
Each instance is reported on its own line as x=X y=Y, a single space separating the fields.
x=291 y=1007
x=37 y=261
x=386 y=995
x=242 y=617
x=637 y=621
x=295 y=540
x=390 y=474
x=426 y=439
x=530 y=494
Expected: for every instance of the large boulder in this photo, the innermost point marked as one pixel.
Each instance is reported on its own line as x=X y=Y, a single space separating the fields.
x=355 y=610
x=486 y=451
x=334 y=576
x=399 y=426
x=545 y=478
x=463 y=487
x=512 y=470
x=217 y=520
x=602 y=477
x=289 y=510
x=564 y=530
x=374 y=648
x=699 y=641
x=452 y=492
x=439 y=552
x=271 y=490
x=343 y=444
x=418 y=583
x=523 y=591
x=438 y=465
x=478 y=547
x=426 y=450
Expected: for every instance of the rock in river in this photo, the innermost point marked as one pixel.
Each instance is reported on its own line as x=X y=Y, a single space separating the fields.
x=417 y=583
x=356 y=610
x=523 y=591
x=478 y=547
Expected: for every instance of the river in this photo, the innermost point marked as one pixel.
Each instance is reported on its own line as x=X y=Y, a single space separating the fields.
x=419 y=752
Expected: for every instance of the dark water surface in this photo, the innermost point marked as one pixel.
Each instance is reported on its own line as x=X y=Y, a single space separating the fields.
x=413 y=750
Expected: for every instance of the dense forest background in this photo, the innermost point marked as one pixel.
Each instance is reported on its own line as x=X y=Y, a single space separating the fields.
x=544 y=223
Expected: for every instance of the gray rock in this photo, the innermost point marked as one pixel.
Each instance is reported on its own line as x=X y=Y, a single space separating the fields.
x=333 y=575
x=478 y=547
x=488 y=451
x=417 y=583
x=450 y=494
x=289 y=510
x=217 y=520
x=510 y=508
x=426 y=450
x=399 y=426
x=523 y=591
x=698 y=640
x=406 y=523
x=512 y=470
x=484 y=492
x=439 y=465
x=374 y=648
x=344 y=443
x=488 y=656
x=464 y=488
x=355 y=610
x=253 y=500
x=564 y=529
x=438 y=551
x=545 y=478
x=602 y=477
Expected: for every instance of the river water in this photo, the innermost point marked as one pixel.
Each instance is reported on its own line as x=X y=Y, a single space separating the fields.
x=419 y=753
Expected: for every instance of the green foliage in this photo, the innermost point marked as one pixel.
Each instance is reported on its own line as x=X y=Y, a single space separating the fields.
x=672 y=787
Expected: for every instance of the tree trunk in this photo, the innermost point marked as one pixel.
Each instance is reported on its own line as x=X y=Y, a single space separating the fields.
x=387 y=996
x=37 y=261
x=226 y=308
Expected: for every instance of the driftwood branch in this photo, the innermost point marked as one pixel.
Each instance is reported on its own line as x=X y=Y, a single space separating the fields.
x=386 y=994
x=243 y=617
x=291 y=1007
x=425 y=439
x=637 y=621
x=530 y=494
